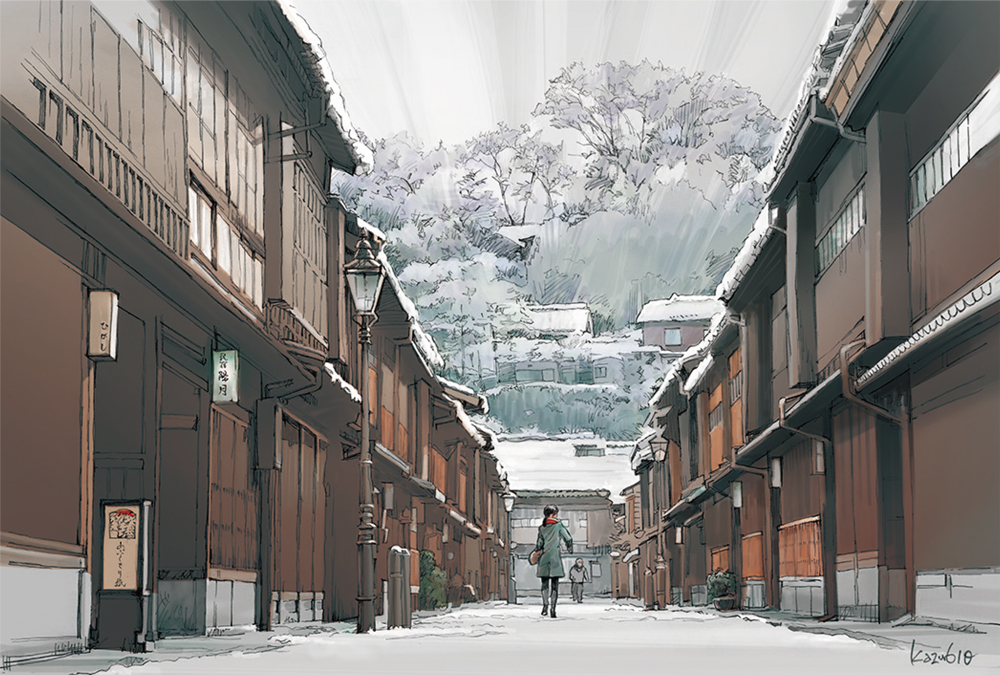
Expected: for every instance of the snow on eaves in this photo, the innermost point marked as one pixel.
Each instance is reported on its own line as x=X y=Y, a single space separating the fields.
x=423 y=342
x=747 y=256
x=342 y=383
x=465 y=420
x=679 y=308
x=674 y=371
x=361 y=154
x=718 y=323
x=840 y=25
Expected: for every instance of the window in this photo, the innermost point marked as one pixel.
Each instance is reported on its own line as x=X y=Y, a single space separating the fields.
x=549 y=375
x=672 y=336
x=847 y=224
x=753 y=556
x=600 y=371
x=976 y=127
x=720 y=559
x=799 y=549
x=220 y=243
x=205 y=82
x=161 y=48
x=595 y=569
x=715 y=417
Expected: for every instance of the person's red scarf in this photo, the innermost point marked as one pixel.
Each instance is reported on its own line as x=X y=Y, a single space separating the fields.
x=550 y=521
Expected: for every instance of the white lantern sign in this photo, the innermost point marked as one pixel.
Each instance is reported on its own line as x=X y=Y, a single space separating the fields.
x=225 y=376
x=102 y=310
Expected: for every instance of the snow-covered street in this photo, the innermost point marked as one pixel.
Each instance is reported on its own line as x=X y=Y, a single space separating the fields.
x=598 y=636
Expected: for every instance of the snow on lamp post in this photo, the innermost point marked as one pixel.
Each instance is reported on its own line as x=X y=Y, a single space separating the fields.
x=364 y=279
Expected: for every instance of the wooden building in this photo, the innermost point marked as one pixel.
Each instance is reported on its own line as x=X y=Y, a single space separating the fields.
x=859 y=340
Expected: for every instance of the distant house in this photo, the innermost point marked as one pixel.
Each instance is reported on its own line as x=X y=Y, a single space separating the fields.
x=677 y=323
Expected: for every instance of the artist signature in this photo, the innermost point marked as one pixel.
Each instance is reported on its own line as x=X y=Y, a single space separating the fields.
x=960 y=657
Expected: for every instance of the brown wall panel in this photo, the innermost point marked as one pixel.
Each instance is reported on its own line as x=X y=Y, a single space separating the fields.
x=956 y=433
x=801 y=490
x=955 y=236
x=41 y=390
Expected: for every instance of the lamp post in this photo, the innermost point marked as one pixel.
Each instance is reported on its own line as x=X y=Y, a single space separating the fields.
x=364 y=279
x=508 y=505
x=659 y=447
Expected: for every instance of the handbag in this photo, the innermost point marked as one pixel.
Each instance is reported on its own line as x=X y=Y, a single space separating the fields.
x=535 y=557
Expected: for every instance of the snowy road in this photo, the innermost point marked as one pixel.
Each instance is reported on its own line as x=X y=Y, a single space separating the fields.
x=595 y=637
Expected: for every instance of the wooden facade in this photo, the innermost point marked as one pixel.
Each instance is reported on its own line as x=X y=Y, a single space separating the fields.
x=854 y=348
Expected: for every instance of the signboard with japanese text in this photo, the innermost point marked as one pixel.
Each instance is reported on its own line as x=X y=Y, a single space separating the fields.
x=225 y=375
x=122 y=544
x=102 y=325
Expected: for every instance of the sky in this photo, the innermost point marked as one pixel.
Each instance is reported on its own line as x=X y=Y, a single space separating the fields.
x=446 y=70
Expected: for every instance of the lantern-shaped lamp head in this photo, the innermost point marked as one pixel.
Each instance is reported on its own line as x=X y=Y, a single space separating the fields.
x=659 y=447
x=508 y=502
x=364 y=278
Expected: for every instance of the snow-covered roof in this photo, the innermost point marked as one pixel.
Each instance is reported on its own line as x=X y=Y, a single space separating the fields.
x=718 y=323
x=752 y=246
x=337 y=110
x=424 y=343
x=465 y=420
x=552 y=464
x=643 y=451
x=674 y=371
x=840 y=26
x=569 y=319
x=680 y=308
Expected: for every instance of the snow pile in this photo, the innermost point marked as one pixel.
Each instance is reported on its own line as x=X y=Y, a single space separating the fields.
x=342 y=383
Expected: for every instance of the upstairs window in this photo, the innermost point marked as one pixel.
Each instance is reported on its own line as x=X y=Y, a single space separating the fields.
x=221 y=247
x=671 y=337
x=973 y=130
x=847 y=224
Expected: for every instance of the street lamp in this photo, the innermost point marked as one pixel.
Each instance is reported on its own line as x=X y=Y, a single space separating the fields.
x=364 y=279
x=659 y=447
x=508 y=505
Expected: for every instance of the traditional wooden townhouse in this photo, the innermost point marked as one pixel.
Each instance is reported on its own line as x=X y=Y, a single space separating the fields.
x=165 y=252
x=434 y=479
x=891 y=322
x=867 y=341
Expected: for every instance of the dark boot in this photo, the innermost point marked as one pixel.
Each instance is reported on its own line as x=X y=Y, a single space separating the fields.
x=545 y=599
x=555 y=598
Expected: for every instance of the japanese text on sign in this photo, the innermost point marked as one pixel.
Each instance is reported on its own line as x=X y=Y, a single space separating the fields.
x=225 y=373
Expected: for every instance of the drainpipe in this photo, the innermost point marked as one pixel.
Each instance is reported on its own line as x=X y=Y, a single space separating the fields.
x=781 y=423
x=845 y=377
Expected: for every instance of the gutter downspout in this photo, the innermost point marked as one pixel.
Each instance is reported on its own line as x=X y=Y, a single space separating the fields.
x=849 y=393
x=844 y=132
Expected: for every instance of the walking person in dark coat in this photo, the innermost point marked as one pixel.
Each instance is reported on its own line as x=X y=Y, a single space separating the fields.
x=578 y=574
x=550 y=568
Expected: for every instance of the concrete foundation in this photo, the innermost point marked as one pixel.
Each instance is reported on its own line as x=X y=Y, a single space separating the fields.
x=959 y=595
x=803 y=595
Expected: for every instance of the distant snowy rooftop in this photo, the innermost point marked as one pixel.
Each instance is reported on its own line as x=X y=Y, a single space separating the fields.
x=680 y=308
x=571 y=319
x=549 y=464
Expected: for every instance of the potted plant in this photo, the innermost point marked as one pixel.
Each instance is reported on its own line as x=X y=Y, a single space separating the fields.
x=722 y=589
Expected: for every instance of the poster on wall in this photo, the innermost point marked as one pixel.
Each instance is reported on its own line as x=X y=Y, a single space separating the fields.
x=121 y=547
